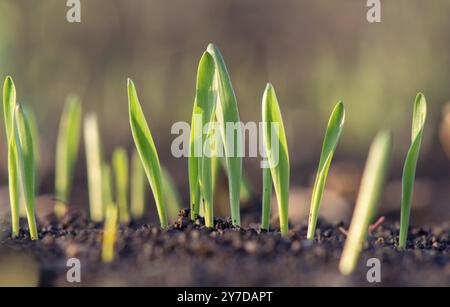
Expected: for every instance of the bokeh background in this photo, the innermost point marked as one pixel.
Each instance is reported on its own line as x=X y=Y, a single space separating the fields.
x=314 y=52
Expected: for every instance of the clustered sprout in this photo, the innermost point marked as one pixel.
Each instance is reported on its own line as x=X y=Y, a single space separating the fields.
x=215 y=102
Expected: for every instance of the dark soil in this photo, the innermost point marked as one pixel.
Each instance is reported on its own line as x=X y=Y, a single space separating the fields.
x=188 y=254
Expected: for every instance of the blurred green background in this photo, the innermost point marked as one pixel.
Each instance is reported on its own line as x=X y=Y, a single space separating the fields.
x=314 y=52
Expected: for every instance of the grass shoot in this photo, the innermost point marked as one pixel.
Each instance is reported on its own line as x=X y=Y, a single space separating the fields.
x=110 y=233
x=120 y=166
x=332 y=135
x=366 y=204
x=200 y=164
x=25 y=153
x=173 y=199
x=266 y=198
x=409 y=168
x=66 y=152
x=137 y=197
x=9 y=105
x=147 y=151
x=94 y=166
x=227 y=112
x=277 y=152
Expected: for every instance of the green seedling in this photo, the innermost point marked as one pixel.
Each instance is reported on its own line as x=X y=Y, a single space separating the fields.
x=171 y=194
x=266 y=198
x=200 y=164
x=120 y=165
x=227 y=114
x=137 y=202
x=36 y=141
x=106 y=187
x=276 y=148
x=94 y=166
x=66 y=152
x=110 y=233
x=409 y=168
x=366 y=204
x=25 y=154
x=332 y=135
x=147 y=151
x=9 y=105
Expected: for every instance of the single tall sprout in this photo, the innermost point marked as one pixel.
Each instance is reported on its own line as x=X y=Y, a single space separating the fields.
x=66 y=152
x=94 y=166
x=332 y=135
x=276 y=148
x=120 y=165
x=9 y=105
x=228 y=117
x=147 y=151
x=366 y=204
x=409 y=169
x=25 y=150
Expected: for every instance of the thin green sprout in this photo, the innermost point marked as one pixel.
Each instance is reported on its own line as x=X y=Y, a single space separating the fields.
x=227 y=114
x=110 y=233
x=171 y=194
x=137 y=197
x=332 y=135
x=94 y=166
x=409 y=169
x=9 y=105
x=25 y=153
x=266 y=198
x=147 y=151
x=66 y=152
x=279 y=168
x=120 y=165
x=366 y=204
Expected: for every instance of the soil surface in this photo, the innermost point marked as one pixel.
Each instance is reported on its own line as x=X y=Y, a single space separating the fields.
x=188 y=254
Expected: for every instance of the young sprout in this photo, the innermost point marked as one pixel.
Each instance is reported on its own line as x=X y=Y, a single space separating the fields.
x=332 y=135
x=66 y=152
x=36 y=141
x=9 y=105
x=110 y=233
x=266 y=198
x=94 y=166
x=147 y=151
x=106 y=187
x=277 y=152
x=366 y=204
x=171 y=194
x=137 y=203
x=120 y=165
x=409 y=168
x=25 y=153
x=228 y=116
x=200 y=143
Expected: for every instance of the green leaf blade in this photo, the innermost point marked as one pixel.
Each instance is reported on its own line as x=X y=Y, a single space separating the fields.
x=67 y=148
x=275 y=141
x=120 y=165
x=25 y=150
x=332 y=136
x=372 y=182
x=9 y=104
x=147 y=151
x=409 y=168
x=227 y=113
